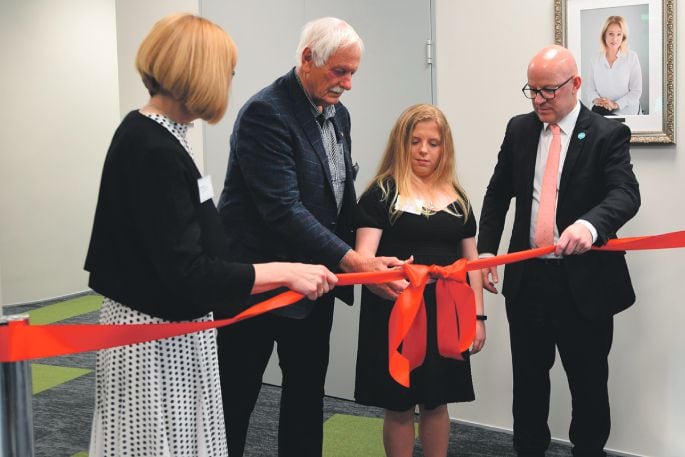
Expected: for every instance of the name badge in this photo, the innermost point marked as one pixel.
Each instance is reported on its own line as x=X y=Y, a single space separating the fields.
x=409 y=205
x=204 y=186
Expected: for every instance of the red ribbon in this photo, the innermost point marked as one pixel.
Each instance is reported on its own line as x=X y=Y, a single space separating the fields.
x=21 y=341
x=456 y=317
x=456 y=310
x=456 y=307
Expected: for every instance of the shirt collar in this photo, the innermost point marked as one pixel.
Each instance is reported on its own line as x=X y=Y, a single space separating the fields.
x=568 y=123
x=619 y=55
x=328 y=111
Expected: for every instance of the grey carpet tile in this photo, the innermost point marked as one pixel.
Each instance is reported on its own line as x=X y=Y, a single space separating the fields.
x=20 y=309
x=63 y=414
x=62 y=417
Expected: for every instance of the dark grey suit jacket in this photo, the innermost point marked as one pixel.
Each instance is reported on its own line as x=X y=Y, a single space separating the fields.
x=597 y=185
x=278 y=202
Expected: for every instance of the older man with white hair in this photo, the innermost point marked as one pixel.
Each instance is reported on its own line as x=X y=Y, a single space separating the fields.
x=289 y=194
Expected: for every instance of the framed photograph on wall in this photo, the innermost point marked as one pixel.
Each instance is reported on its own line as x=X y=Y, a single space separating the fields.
x=626 y=59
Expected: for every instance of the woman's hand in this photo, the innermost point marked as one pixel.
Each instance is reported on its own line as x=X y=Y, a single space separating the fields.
x=313 y=281
x=605 y=103
x=479 y=340
x=310 y=280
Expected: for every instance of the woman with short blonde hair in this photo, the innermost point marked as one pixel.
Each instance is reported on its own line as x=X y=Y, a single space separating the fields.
x=192 y=60
x=158 y=254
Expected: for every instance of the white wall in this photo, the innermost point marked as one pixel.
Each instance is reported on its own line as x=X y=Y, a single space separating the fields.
x=67 y=82
x=60 y=107
x=134 y=19
x=69 y=78
x=483 y=48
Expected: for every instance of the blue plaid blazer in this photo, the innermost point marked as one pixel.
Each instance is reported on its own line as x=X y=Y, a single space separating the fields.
x=278 y=203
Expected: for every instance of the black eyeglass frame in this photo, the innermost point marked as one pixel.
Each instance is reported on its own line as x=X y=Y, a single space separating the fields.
x=552 y=90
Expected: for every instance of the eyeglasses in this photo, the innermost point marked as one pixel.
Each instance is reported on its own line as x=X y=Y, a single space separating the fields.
x=546 y=92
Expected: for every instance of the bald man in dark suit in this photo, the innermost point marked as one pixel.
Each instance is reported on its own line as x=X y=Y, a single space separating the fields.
x=566 y=300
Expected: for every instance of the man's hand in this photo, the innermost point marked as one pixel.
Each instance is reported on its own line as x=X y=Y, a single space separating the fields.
x=576 y=239
x=355 y=262
x=388 y=290
x=490 y=278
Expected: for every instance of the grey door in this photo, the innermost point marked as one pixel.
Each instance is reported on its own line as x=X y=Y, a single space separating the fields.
x=394 y=74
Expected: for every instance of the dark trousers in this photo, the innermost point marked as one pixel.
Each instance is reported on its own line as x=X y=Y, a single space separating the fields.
x=541 y=319
x=302 y=346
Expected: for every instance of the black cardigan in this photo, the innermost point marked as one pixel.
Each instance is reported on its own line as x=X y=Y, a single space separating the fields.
x=154 y=246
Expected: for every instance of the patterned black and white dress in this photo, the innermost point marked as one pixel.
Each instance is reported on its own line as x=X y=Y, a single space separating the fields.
x=161 y=398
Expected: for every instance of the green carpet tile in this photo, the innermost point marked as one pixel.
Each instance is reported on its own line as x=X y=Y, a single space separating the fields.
x=345 y=436
x=48 y=376
x=65 y=309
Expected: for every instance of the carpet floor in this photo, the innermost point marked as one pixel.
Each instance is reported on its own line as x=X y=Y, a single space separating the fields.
x=64 y=394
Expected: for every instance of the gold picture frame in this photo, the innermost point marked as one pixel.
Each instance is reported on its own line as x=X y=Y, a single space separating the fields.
x=651 y=30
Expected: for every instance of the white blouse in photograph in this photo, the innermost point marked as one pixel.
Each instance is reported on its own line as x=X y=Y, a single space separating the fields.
x=620 y=82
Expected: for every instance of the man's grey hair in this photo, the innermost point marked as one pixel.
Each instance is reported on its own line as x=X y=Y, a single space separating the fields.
x=324 y=37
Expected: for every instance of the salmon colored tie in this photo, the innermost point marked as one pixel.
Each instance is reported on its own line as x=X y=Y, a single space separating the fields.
x=544 y=229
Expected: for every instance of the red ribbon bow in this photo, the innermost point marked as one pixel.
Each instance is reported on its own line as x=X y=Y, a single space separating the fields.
x=456 y=317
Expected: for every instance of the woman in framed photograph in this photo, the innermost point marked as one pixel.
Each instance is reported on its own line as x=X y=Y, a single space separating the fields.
x=615 y=76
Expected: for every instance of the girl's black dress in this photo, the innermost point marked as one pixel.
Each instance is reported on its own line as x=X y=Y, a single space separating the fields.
x=433 y=240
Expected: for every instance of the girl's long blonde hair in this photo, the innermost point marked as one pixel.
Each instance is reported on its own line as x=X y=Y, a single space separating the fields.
x=396 y=162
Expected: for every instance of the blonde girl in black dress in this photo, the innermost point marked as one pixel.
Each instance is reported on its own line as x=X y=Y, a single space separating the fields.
x=415 y=207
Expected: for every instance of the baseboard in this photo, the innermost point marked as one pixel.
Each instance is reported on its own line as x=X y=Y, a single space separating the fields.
x=556 y=440
x=51 y=300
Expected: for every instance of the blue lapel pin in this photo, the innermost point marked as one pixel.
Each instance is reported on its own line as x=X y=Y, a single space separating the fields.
x=581 y=136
